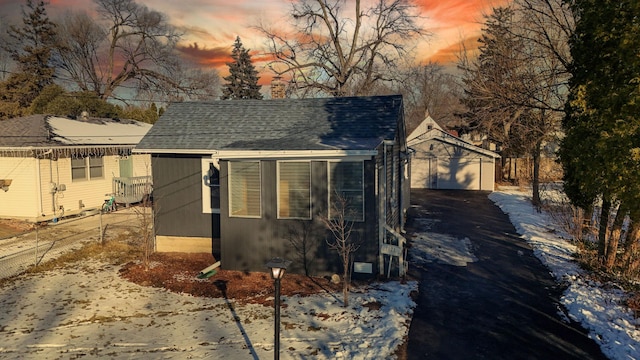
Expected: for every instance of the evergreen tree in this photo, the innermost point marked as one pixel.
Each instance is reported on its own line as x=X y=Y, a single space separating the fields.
x=242 y=82
x=31 y=49
x=600 y=151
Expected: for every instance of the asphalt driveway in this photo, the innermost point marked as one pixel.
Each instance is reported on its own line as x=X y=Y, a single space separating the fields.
x=504 y=305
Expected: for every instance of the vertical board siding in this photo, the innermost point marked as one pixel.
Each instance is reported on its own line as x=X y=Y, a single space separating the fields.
x=177 y=196
x=248 y=243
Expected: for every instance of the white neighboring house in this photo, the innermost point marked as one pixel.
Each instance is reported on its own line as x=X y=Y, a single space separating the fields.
x=443 y=161
x=51 y=167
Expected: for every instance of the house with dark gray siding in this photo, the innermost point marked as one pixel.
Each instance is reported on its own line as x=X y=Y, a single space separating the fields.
x=251 y=180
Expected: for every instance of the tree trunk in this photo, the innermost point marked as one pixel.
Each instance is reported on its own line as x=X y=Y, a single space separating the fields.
x=346 y=280
x=614 y=238
x=603 y=226
x=535 y=179
x=630 y=258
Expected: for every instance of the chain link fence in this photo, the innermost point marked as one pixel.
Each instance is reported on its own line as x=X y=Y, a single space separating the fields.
x=49 y=240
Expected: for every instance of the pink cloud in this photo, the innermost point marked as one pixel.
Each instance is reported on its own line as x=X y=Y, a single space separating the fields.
x=449 y=54
x=454 y=13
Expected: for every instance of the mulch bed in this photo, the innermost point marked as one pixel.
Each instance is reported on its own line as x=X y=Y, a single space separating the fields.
x=178 y=272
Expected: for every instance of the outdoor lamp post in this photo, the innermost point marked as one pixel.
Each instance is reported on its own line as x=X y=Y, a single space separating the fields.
x=277 y=266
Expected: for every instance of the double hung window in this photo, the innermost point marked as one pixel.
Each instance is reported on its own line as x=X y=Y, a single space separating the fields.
x=294 y=190
x=87 y=168
x=346 y=186
x=244 y=189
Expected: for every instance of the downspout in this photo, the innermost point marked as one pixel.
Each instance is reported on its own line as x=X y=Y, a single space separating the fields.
x=481 y=174
x=39 y=182
x=53 y=193
x=381 y=229
x=383 y=203
x=39 y=187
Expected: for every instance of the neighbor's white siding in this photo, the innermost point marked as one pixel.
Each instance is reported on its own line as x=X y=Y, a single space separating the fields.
x=30 y=194
x=439 y=165
x=21 y=199
x=88 y=193
x=141 y=164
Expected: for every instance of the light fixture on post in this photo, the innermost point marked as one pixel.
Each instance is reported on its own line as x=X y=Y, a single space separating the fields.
x=277 y=267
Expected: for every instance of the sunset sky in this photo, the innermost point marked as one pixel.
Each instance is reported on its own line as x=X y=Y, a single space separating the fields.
x=211 y=26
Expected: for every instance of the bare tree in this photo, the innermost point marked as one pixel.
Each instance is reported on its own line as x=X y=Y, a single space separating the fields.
x=145 y=214
x=429 y=88
x=339 y=223
x=129 y=46
x=5 y=59
x=338 y=51
x=515 y=90
x=302 y=237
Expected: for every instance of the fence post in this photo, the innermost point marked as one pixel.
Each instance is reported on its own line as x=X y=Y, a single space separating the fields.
x=36 y=259
x=101 y=231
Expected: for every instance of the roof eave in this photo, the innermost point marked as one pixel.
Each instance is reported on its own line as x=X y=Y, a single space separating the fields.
x=263 y=154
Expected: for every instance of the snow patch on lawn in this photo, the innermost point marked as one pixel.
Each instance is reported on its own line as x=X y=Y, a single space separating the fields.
x=91 y=311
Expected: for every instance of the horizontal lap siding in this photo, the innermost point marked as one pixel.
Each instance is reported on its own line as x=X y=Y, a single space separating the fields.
x=141 y=165
x=91 y=193
x=20 y=200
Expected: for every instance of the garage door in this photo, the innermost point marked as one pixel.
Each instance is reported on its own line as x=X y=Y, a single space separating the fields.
x=459 y=174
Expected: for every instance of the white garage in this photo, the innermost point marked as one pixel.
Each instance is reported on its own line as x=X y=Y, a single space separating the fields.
x=443 y=161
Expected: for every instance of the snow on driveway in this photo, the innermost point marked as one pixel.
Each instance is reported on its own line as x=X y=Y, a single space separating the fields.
x=429 y=247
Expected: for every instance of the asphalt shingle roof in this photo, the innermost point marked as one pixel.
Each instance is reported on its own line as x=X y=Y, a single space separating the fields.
x=349 y=123
x=25 y=132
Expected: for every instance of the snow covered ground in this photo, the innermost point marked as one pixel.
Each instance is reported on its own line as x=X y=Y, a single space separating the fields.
x=90 y=311
x=592 y=304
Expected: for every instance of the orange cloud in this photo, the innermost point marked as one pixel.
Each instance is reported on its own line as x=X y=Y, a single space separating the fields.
x=454 y=13
x=450 y=54
x=214 y=57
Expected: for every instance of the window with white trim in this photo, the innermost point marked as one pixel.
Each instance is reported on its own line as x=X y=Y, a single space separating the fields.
x=87 y=168
x=244 y=189
x=294 y=190
x=210 y=187
x=346 y=180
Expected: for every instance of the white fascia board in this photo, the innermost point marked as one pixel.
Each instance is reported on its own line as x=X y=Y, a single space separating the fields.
x=451 y=140
x=292 y=154
x=173 y=151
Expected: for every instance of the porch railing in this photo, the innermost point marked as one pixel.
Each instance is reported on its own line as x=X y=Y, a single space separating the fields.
x=395 y=247
x=131 y=190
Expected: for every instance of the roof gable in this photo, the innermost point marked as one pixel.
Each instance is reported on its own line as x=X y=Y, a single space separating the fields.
x=430 y=130
x=350 y=123
x=427 y=124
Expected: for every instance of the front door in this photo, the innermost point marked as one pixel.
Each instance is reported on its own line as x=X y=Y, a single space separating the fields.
x=126 y=166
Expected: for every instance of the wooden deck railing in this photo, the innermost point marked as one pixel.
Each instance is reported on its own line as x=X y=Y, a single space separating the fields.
x=130 y=190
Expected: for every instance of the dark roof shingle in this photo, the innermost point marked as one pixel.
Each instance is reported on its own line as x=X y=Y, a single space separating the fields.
x=350 y=123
